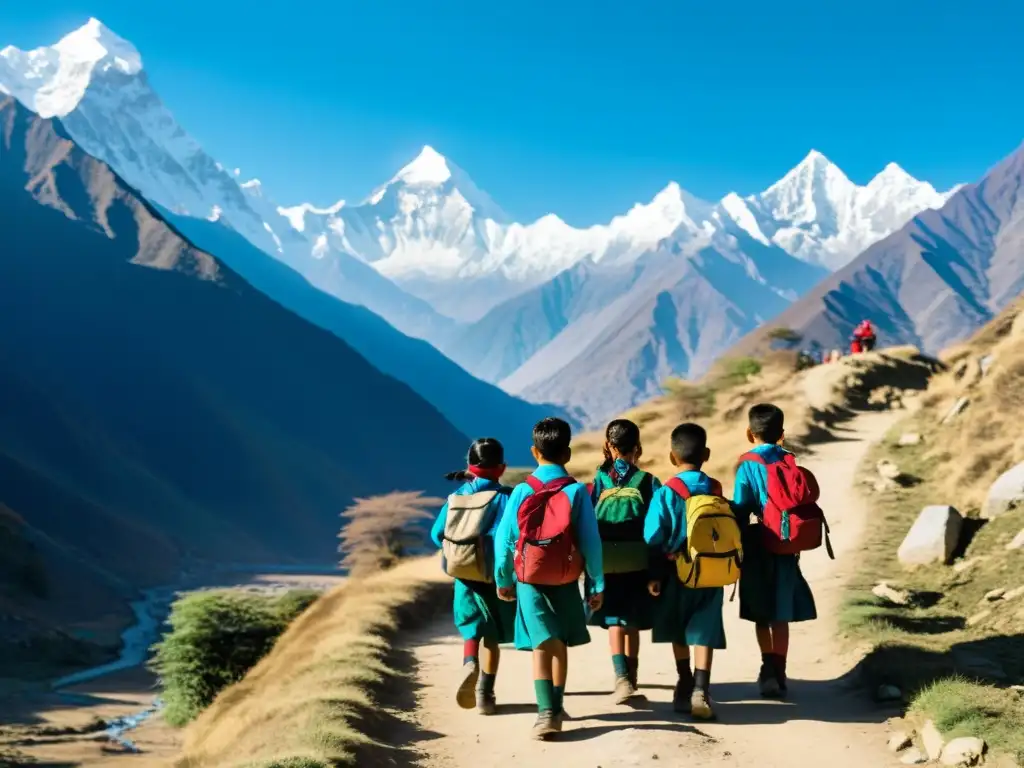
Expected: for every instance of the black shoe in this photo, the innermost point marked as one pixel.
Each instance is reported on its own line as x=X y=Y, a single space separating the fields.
x=486 y=704
x=634 y=663
x=780 y=675
x=768 y=681
x=682 y=695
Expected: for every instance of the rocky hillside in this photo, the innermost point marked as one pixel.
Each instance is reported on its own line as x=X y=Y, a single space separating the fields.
x=941 y=588
x=156 y=406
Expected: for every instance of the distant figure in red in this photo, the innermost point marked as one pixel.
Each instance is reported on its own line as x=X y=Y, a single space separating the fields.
x=864 y=338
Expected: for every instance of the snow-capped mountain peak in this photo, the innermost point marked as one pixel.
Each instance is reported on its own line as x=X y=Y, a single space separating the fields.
x=817 y=214
x=52 y=81
x=429 y=168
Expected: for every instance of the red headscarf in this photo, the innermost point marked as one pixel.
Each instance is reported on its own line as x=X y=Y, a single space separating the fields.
x=487 y=473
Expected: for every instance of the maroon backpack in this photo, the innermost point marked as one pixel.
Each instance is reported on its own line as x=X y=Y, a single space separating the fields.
x=546 y=554
x=792 y=520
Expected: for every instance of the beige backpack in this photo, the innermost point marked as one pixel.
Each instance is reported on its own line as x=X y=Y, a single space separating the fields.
x=464 y=545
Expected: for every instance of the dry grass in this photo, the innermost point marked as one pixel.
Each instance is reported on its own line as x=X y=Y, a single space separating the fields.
x=314 y=700
x=813 y=400
x=953 y=653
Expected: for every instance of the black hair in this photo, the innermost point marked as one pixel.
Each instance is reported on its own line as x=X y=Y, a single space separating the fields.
x=485 y=452
x=622 y=435
x=551 y=438
x=766 y=422
x=689 y=444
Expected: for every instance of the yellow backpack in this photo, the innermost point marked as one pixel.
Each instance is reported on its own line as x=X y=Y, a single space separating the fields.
x=714 y=550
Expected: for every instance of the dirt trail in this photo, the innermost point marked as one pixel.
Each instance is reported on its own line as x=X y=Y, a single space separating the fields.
x=824 y=722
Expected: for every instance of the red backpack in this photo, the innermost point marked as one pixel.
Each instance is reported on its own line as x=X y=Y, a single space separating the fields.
x=546 y=554
x=793 y=521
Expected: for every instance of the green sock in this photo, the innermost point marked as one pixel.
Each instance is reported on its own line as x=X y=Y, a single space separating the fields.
x=621 y=664
x=545 y=691
x=559 y=697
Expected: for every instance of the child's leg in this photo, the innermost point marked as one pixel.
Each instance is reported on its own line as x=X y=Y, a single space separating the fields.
x=700 y=701
x=780 y=650
x=633 y=653
x=768 y=677
x=703 y=657
x=465 y=696
x=543 y=680
x=489 y=657
x=684 y=685
x=617 y=645
x=560 y=671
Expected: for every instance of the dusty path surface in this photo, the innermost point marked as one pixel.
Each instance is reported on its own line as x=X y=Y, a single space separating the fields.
x=824 y=722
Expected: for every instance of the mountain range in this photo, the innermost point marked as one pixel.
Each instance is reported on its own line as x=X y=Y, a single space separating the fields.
x=154 y=401
x=591 y=318
x=933 y=282
x=93 y=81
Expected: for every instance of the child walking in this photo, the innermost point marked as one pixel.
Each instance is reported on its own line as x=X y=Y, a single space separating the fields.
x=621 y=495
x=773 y=591
x=464 y=530
x=691 y=522
x=546 y=538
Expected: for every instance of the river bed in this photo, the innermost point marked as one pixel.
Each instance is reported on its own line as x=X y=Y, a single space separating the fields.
x=87 y=692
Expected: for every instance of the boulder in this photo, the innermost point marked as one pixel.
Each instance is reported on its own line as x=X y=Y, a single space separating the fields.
x=908 y=439
x=956 y=410
x=967 y=750
x=933 y=537
x=993 y=595
x=979 y=617
x=899 y=741
x=1006 y=493
x=887 y=470
x=932 y=740
x=985 y=363
x=913 y=756
x=890 y=594
x=1018 y=541
x=1013 y=594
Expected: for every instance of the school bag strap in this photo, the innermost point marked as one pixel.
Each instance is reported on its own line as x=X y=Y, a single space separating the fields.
x=678 y=487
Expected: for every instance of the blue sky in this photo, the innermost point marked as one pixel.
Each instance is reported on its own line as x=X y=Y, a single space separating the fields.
x=580 y=107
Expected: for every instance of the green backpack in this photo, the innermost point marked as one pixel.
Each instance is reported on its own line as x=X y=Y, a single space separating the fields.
x=620 y=520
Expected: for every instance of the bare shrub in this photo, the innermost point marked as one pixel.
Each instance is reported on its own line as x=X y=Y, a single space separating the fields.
x=693 y=401
x=379 y=531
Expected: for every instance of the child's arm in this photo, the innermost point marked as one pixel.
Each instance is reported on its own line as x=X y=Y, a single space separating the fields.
x=437 y=532
x=505 y=541
x=745 y=498
x=656 y=522
x=590 y=541
x=656 y=533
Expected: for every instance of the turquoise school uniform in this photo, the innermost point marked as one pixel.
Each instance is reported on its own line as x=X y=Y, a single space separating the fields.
x=682 y=615
x=627 y=603
x=545 y=613
x=772 y=588
x=479 y=614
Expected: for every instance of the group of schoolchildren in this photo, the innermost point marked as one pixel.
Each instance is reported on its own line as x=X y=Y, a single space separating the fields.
x=651 y=556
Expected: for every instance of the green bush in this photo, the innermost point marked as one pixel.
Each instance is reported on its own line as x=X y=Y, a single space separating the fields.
x=733 y=371
x=215 y=638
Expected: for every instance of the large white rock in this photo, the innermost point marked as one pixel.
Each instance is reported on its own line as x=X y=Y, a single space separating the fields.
x=932 y=740
x=933 y=537
x=1006 y=493
x=966 y=750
